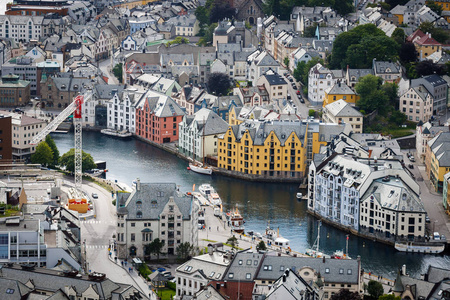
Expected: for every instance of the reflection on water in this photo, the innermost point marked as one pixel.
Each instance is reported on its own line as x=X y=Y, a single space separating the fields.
x=257 y=202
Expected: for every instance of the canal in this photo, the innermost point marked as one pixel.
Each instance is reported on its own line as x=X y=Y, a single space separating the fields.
x=257 y=202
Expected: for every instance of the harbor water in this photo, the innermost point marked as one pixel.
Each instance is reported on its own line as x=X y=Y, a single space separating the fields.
x=257 y=202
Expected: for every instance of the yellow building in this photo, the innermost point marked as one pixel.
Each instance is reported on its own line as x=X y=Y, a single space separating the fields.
x=274 y=149
x=445 y=4
x=340 y=91
x=437 y=159
x=133 y=4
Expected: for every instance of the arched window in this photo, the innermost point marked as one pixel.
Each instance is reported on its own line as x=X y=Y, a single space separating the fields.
x=139 y=204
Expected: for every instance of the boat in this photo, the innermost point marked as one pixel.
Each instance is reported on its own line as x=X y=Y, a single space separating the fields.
x=215 y=199
x=417 y=247
x=206 y=189
x=200 y=169
x=197 y=167
x=274 y=239
x=117 y=133
x=236 y=221
x=339 y=254
x=314 y=251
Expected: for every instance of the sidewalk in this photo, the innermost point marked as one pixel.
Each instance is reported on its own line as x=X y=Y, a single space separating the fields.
x=141 y=283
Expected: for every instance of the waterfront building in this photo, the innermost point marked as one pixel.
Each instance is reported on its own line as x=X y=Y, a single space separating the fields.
x=292 y=286
x=424 y=133
x=417 y=104
x=342 y=112
x=198 y=134
x=151 y=211
x=273 y=148
x=157 y=118
x=339 y=91
x=320 y=79
x=121 y=110
x=59 y=92
x=196 y=273
x=13 y=91
x=437 y=159
x=377 y=197
x=31 y=283
x=446 y=193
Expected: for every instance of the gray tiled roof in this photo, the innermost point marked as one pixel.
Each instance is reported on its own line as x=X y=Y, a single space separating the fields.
x=106 y=91
x=333 y=266
x=244 y=263
x=275 y=79
x=210 y=121
x=19 y=289
x=154 y=197
x=436 y=274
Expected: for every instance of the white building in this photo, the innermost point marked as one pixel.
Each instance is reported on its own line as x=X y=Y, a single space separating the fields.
x=198 y=133
x=342 y=112
x=320 y=79
x=121 y=111
x=155 y=210
x=21 y=28
x=194 y=274
x=417 y=104
x=260 y=63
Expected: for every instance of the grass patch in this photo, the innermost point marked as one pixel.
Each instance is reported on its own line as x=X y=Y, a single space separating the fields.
x=239 y=248
x=211 y=241
x=144 y=271
x=400 y=132
x=166 y=294
x=10 y=211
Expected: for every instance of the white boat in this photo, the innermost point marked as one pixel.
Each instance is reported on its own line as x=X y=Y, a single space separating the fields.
x=236 y=221
x=273 y=236
x=215 y=199
x=206 y=189
x=314 y=251
x=117 y=133
x=419 y=247
x=200 y=169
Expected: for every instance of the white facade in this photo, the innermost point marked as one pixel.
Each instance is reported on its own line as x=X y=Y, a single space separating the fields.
x=121 y=111
x=320 y=79
x=21 y=28
x=417 y=104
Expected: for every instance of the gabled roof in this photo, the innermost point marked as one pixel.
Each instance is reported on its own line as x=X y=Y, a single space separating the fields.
x=341 y=108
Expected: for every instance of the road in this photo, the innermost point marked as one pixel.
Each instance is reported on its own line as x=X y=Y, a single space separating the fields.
x=106 y=68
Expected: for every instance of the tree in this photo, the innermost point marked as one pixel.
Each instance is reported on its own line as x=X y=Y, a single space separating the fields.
x=408 y=52
x=118 y=72
x=391 y=91
x=362 y=38
x=428 y=67
x=434 y=7
x=372 y=97
x=301 y=73
x=219 y=83
x=233 y=242
x=286 y=61
x=221 y=9
x=261 y=246
x=185 y=250
x=389 y=297
x=310 y=31
x=202 y=15
x=43 y=154
x=68 y=160
x=345 y=294
x=399 y=36
x=438 y=34
x=311 y=113
x=51 y=143
x=178 y=40
x=375 y=289
x=154 y=247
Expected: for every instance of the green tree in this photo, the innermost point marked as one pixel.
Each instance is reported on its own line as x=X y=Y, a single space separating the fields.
x=301 y=73
x=399 y=35
x=372 y=97
x=438 y=34
x=345 y=294
x=391 y=91
x=219 y=83
x=43 y=154
x=434 y=7
x=51 y=143
x=202 y=15
x=154 y=247
x=233 y=242
x=311 y=113
x=185 y=250
x=208 y=34
x=286 y=61
x=375 y=289
x=178 y=40
x=118 y=72
x=370 y=32
x=68 y=160
x=361 y=55
x=261 y=246
x=389 y=297
x=408 y=52
x=310 y=31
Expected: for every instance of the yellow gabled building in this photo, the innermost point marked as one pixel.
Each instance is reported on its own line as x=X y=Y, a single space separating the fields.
x=437 y=159
x=274 y=149
x=340 y=91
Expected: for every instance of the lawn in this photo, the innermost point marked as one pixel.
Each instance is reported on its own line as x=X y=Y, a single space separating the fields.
x=10 y=211
x=166 y=294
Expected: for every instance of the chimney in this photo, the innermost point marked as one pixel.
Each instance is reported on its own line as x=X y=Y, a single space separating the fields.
x=210 y=249
x=323 y=259
x=138 y=184
x=284 y=278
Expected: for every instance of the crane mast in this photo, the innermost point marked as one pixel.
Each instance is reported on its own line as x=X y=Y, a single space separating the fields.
x=76 y=108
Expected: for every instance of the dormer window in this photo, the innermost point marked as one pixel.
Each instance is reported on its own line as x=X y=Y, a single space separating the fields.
x=139 y=204
x=139 y=215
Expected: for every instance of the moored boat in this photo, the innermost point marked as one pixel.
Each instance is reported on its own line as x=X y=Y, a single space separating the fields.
x=200 y=169
x=274 y=239
x=116 y=133
x=236 y=221
x=420 y=247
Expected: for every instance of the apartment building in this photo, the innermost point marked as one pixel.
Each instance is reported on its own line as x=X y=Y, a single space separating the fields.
x=417 y=104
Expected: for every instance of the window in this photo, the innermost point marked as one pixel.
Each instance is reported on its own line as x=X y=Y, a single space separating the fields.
x=341 y=271
x=231 y=275
x=349 y=272
x=133 y=224
x=240 y=262
x=327 y=270
x=248 y=276
x=133 y=237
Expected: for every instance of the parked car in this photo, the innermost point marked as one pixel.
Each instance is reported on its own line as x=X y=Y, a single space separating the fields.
x=427 y=219
x=411 y=166
x=302 y=101
x=411 y=158
x=298 y=92
x=94 y=195
x=436 y=235
x=294 y=86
